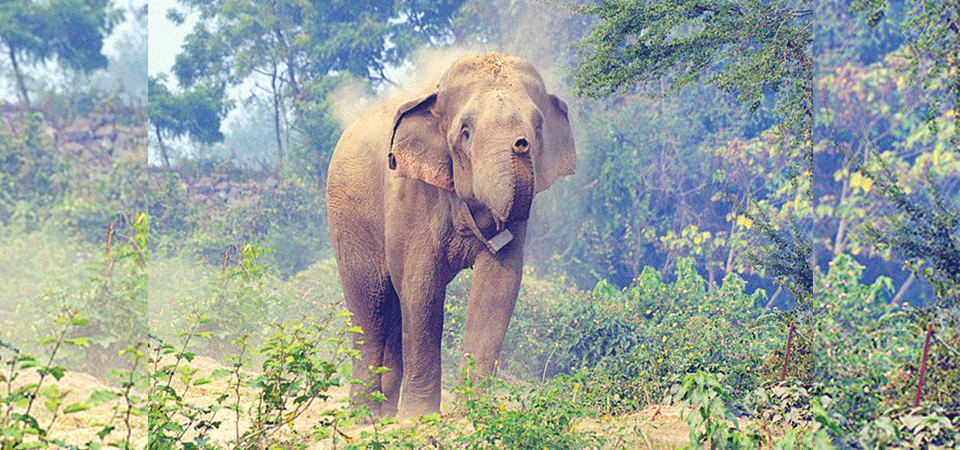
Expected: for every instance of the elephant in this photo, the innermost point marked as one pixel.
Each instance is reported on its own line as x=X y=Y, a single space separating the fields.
x=420 y=188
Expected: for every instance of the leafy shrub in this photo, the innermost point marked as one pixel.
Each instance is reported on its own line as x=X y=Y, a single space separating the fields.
x=860 y=358
x=912 y=428
x=20 y=404
x=710 y=420
x=629 y=342
x=806 y=414
x=174 y=216
x=117 y=306
x=537 y=417
x=33 y=174
x=286 y=218
x=684 y=327
x=301 y=362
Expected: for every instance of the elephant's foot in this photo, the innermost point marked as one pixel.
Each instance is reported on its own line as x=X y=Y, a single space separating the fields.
x=413 y=410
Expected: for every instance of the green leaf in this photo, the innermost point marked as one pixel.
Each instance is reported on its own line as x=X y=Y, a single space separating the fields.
x=378 y=396
x=75 y=407
x=100 y=397
x=82 y=341
x=79 y=321
x=431 y=418
x=820 y=415
x=388 y=421
x=57 y=372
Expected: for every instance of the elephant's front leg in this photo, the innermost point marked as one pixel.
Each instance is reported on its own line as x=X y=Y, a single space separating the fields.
x=422 y=294
x=493 y=295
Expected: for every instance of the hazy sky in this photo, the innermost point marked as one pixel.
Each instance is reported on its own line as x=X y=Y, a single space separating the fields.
x=165 y=37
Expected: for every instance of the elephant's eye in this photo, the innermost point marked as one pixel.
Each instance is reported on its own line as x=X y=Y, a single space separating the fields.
x=465 y=133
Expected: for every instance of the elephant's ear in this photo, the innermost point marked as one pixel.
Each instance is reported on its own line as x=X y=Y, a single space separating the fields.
x=559 y=154
x=418 y=148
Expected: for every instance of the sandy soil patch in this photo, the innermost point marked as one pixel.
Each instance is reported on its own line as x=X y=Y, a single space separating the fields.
x=81 y=427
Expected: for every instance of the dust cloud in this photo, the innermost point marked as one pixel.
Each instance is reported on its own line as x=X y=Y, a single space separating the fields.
x=541 y=32
x=422 y=74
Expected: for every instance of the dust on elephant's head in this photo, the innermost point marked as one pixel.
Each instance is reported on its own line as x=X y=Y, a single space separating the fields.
x=490 y=132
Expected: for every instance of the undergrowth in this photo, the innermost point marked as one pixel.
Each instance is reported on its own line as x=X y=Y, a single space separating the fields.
x=575 y=361
x=575 y=367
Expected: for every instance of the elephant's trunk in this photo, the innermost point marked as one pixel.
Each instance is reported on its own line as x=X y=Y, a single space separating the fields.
x=523 y=188
x=509 y=193
x=503 y=177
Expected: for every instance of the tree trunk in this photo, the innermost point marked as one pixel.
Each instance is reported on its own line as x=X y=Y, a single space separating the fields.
x=282 y=43
x=903 y=289
x=276 y=119
x=163 y=149
x=24 y=98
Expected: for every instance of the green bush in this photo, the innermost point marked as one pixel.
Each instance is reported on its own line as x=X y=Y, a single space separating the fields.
x=286 y=218
x=301 y=362
x=20 y=404
x=536 y=417
x=912 y=428
x=853 y=355
x=174 y=216
x=33 y=174
x=629 y=342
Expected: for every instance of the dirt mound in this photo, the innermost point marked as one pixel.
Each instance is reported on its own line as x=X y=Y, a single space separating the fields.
x=85 y=406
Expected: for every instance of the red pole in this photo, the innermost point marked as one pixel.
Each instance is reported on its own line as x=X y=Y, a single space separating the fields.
x=923 y=366
x=786 y=355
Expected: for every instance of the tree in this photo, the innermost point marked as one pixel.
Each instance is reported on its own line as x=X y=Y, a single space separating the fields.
x=294 y=45
x=934 y=45
x=752 y=49
x=72 y=32
x=195 y=113
x=887 y=160
x=746 y=47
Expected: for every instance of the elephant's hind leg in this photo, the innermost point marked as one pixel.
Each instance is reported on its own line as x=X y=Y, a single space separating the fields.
x=392 y=358
x=370 y=301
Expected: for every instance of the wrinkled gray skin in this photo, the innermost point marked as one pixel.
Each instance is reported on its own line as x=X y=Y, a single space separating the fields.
x=407 y=182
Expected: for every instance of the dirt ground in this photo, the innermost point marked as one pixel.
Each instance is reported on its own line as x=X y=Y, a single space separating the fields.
x=79 y=428
x=656 y=427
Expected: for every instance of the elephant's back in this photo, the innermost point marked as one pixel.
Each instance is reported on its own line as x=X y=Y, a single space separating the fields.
x=357 y=164
x=355 y=180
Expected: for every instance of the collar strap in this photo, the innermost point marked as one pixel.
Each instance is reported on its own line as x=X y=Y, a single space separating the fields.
x=494 y=243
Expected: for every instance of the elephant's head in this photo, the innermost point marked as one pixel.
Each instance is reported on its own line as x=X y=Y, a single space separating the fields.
x=490 y=132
